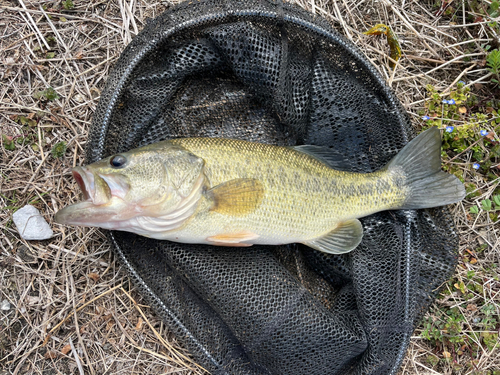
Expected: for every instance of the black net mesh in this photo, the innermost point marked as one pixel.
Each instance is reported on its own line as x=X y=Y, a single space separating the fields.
x=270 y=72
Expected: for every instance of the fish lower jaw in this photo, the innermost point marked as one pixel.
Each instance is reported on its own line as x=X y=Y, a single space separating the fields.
x=87 y=213
x=70 y=215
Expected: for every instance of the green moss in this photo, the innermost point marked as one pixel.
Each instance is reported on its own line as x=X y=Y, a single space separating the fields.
x=59 y=150
x=48 y=94
x=68 y=4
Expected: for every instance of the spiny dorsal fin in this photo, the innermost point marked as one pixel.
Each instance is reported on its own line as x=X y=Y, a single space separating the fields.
x=236 y=197
x=342 y=239
x=325 y=155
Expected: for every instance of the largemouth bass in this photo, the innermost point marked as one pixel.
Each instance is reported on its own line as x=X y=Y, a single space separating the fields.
x=237 y=193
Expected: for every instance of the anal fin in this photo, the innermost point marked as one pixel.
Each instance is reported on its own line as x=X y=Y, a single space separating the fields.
x=233 y=239
x=343 y=239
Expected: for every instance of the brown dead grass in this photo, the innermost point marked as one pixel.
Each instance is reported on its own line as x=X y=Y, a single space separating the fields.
x=68 y=292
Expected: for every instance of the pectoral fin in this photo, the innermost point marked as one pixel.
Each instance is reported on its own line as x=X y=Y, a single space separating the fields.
x=236 y=197
x=233 y=239
x=343 y=239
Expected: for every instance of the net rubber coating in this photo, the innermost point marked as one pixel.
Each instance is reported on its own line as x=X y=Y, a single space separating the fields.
x=271 y=72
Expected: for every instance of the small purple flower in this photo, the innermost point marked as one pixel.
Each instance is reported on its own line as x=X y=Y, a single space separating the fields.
x=449 y=129
x=425 y=118
x=476 y=166
x=484 y=133
x=451 y=101
x=445 y=101
x=461 y=82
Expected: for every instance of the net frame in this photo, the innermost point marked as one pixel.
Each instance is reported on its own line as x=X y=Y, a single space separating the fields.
x=335 y=289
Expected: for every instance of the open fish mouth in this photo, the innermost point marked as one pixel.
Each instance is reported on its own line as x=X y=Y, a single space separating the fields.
x=95 y=194
x=84 y=182
x=94 y=188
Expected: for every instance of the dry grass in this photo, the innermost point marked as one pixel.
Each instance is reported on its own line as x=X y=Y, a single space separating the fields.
x=68 y=292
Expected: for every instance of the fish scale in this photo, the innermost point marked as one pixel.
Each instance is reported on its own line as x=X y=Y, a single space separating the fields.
x=304 y=198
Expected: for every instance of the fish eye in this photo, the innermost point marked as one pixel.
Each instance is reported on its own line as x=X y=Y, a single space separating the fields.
x=118 y=161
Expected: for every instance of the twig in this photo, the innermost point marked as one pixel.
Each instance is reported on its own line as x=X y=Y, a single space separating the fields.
x=165 y=343
x=96 y=66
x=342 y=22
x=459 y=77
x=151 y=352
x=54 y=30
x=83 y=306
x=81 y=256
x=40 y=37
x=77 y=358
x=439 y=67
x=33 y=176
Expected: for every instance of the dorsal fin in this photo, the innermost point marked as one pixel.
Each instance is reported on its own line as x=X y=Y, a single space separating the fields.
x=325 y=155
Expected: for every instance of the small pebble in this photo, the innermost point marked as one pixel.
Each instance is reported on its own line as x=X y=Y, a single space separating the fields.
x=31 y=225
x=5 y=305
x=79 y=98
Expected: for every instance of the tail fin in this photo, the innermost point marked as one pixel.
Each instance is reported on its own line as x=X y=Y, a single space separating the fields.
x=420 y=161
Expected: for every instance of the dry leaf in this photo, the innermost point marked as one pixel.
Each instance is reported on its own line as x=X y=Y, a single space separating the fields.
x=109 y=325
x=462 y=110
x=32 y=300
x=46 y=340
x=139 y=324
x=64 y=122
x=446 y=354
x=94 y=276
x=99 y=309
x=108 y=316
x=66 y=349
x=50 y=355
x=491 y=137
x=470 y=252
x=471 y=307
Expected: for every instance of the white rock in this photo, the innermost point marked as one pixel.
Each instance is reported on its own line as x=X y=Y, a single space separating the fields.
x=5 y=305
x=31 y=225
x=79 y=98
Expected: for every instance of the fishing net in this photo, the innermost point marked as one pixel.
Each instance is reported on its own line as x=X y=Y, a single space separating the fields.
x=271 y=72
